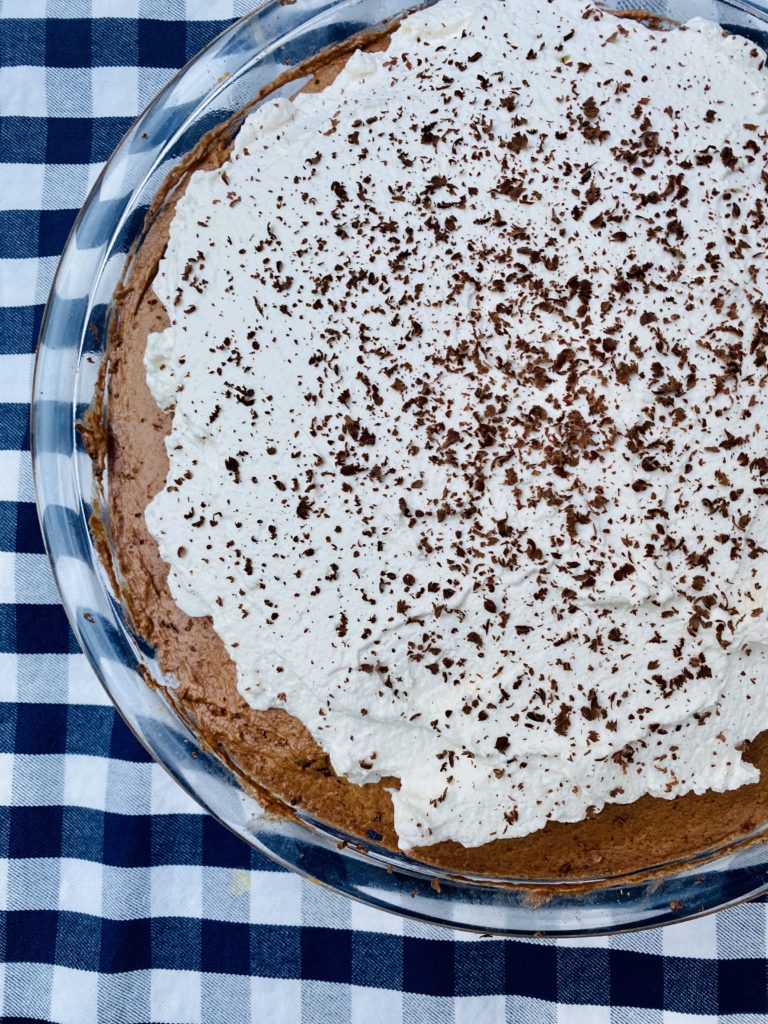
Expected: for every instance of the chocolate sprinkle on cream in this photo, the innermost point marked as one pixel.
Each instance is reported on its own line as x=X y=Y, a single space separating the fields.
x=467 y=365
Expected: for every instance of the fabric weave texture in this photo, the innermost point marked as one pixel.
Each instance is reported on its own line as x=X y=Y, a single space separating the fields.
x=121 y=901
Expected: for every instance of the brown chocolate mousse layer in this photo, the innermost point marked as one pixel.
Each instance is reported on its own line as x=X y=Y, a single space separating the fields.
x=273 y=751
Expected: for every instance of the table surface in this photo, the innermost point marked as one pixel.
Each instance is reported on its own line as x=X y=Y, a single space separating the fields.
x=121 y=901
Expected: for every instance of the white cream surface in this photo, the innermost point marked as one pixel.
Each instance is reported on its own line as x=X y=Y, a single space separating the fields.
x=467 y=363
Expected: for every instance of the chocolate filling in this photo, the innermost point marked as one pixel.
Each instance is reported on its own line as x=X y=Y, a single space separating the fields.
x=271 y=751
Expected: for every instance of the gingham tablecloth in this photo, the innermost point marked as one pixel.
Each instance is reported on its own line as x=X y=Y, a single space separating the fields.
x=120 y=900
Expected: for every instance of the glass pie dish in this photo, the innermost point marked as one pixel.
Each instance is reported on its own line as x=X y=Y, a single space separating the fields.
x=216 y=86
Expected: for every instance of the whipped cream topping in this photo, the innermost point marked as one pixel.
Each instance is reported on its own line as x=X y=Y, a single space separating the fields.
x=467 y=363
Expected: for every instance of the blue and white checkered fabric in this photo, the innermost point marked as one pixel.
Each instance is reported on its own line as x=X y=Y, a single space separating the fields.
x=120 y=901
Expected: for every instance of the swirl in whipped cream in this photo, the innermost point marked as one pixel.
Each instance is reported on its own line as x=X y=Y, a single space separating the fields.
x=467 y=363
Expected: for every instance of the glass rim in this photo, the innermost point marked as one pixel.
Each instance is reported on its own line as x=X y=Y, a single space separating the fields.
x=57 y=490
